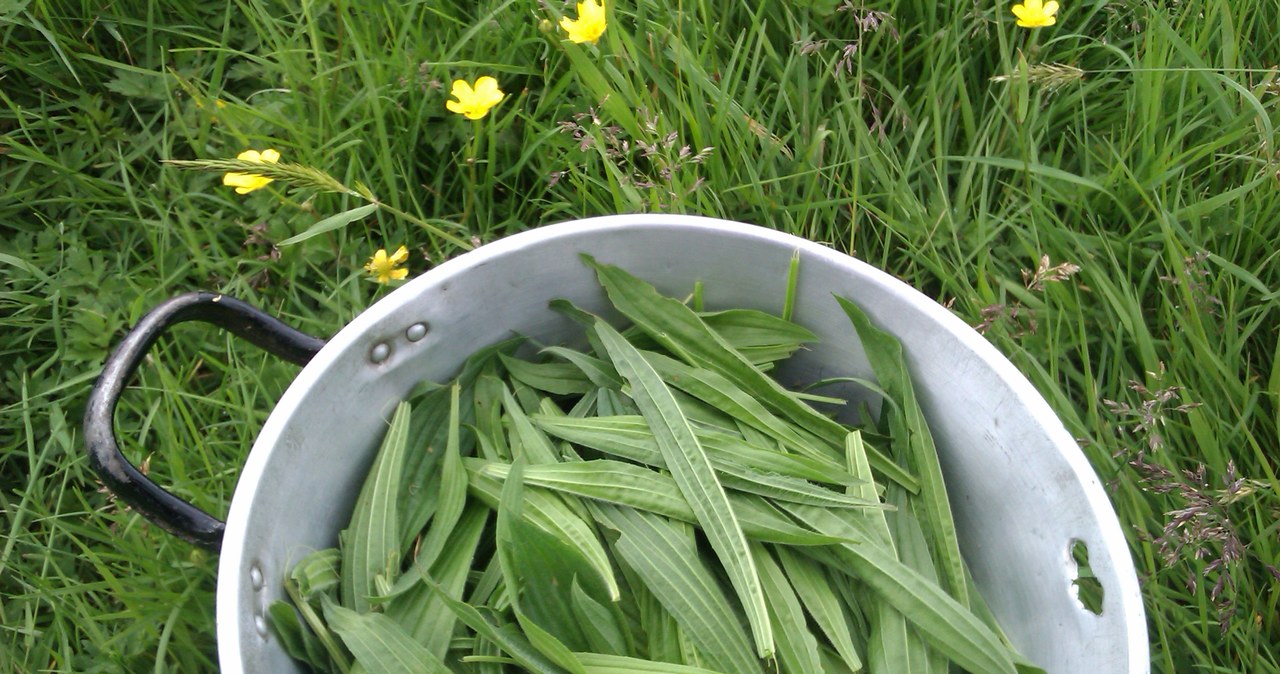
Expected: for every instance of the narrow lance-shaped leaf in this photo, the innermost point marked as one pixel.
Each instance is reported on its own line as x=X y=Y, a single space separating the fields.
x=890 y=645
x=629 y=437
x=372 y=543
x=600 y=623
x=554 y=378
x=797 y=647
x=513 y=545
x=939 y=618
x=549 y=513
x=821 y=602
x=602 y=663
x=453 y=488
x=418 y=609
x=885 y=353
x=695 y=476
x=643 y=489
x=679 y=329
x=509 y=640
x=664 y=556
x=379 y=644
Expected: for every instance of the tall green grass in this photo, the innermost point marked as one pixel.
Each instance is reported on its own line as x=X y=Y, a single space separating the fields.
x=935 y=140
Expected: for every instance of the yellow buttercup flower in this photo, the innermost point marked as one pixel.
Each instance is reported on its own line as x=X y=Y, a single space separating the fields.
x=385 y=268
x=1036 y=13
x=474 y=102
x=590 y=24
x=248 y=182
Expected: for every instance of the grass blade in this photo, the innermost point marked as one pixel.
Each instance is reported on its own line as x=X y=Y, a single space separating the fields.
x=331 y=223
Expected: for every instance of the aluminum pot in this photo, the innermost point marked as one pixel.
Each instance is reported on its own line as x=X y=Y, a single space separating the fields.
x=1023 y=493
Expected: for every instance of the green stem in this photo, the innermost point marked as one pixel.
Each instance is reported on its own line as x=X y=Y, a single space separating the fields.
x=433 y=229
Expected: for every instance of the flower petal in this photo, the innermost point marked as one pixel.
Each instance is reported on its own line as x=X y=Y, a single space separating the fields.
x=486 y=87
x=400 y=256
x=1051 y=8
x=461 y=90
x=270 y=156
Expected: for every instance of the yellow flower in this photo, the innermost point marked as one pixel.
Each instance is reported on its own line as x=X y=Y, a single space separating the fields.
x=590 y=24
x=248 y=182
x=1036 y=13
x=474 y=102
x=384 y=268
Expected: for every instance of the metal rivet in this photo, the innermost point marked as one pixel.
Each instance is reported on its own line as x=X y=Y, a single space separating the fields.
x=416 y=332
x=255 y=577
x=260 y=622
x=380 y=352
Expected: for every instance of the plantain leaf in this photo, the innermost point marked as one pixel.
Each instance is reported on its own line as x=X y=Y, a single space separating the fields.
x=946 y=624
x=371 y=552
x=797 y=647
x=911 y=432
x=663 y=555
x=547 y=512
x=418 y=609
x=600 y=624
x=555 y=378
x=602 y=663
x=644 y=489
x=678 y=328
x=695 y=476
x=821 y=602
x=379 y=644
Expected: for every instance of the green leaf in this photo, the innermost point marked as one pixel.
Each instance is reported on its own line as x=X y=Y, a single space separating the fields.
x=331 y=223
x=505 y=637
x=695 y=476
x=379 y=644
x=678 y=328
x=533 y=445
x=629 y=437
x=663 y=555
x=598 y=371
x=911 y=436
x=555 y=378
x=453 y=488
x=797 y=647
x=418 y=608
x=821 y=602
x=600 y=624
x=651 y=491
x=549 y=513
x=939 y=618
x=371 y=547
x=601 y=663
x=298 y=641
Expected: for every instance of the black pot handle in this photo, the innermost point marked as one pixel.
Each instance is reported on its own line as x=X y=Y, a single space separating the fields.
x=164 y=509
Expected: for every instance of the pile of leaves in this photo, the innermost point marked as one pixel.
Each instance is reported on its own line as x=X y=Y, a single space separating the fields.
x=653 y=502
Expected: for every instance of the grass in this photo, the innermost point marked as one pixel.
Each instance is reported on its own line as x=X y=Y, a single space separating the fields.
x=1134 y=139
